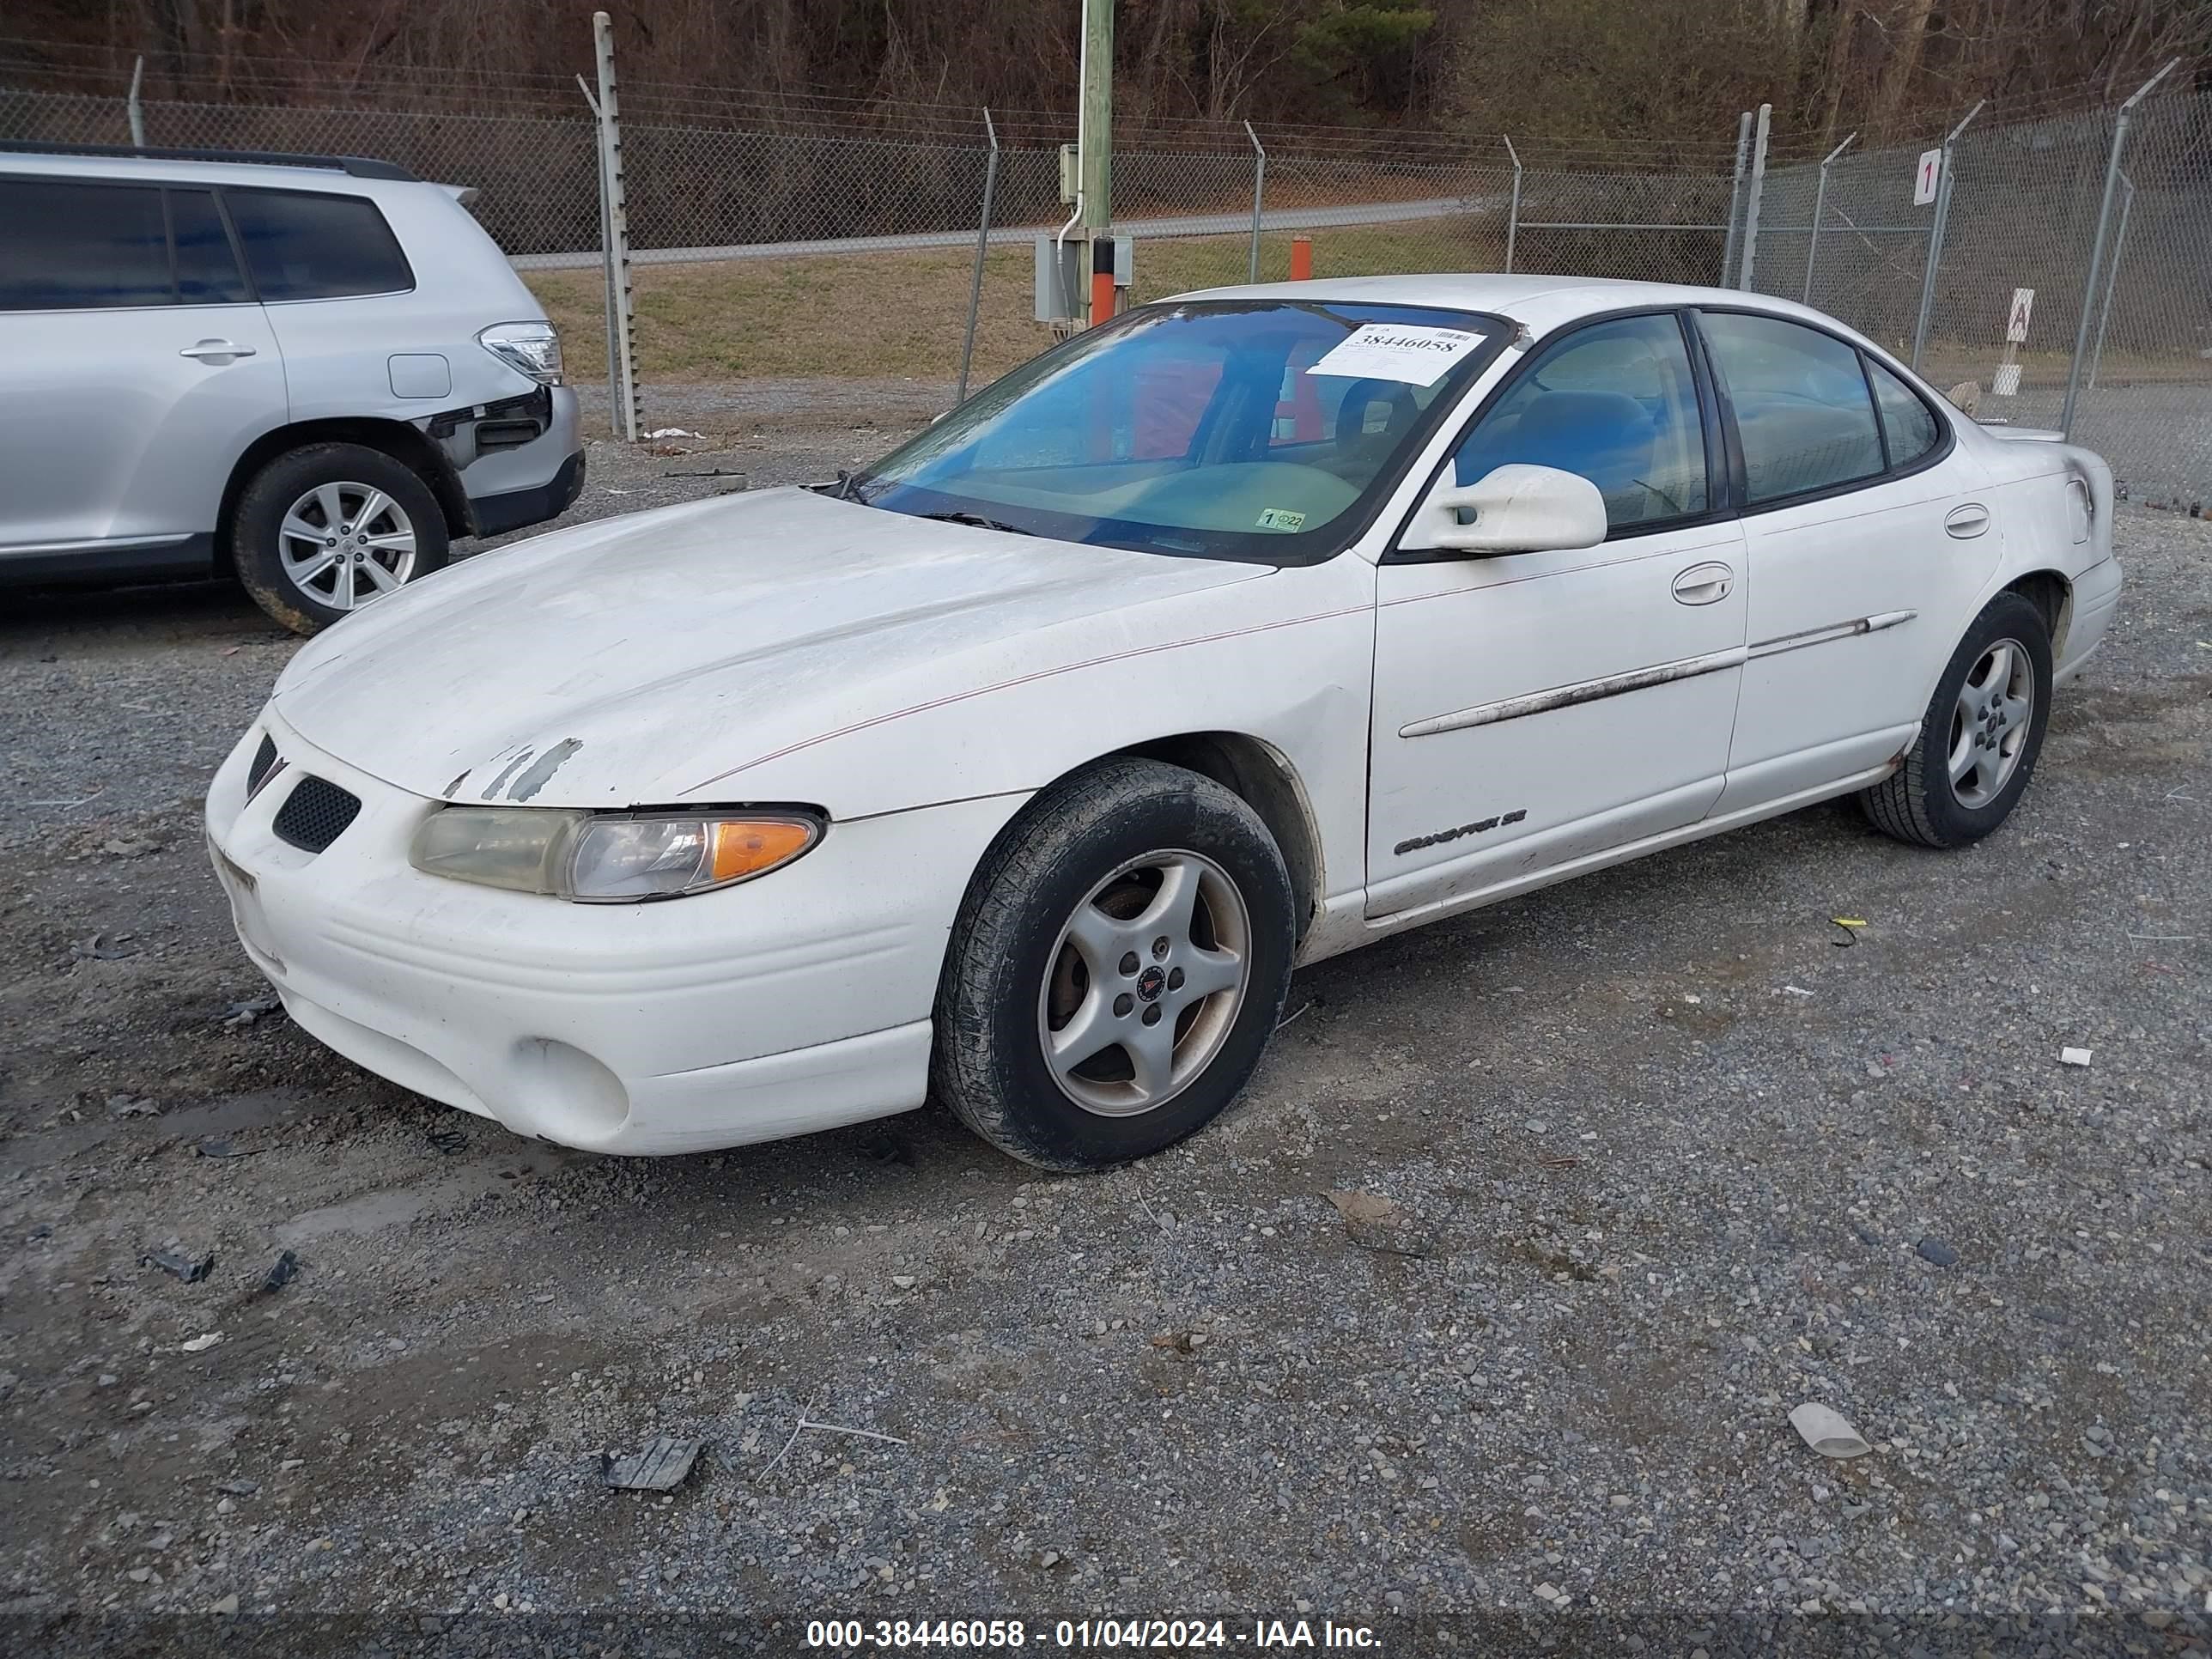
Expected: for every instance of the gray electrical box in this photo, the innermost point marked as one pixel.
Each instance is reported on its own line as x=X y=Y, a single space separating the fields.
x=1060 y=285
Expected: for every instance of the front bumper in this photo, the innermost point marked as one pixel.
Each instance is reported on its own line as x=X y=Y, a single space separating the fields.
x=794 y=1003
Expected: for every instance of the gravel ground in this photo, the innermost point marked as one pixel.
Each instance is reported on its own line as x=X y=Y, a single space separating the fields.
x=1633 y=1167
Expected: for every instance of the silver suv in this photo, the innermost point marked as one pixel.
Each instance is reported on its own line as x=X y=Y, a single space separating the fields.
x=313 y=372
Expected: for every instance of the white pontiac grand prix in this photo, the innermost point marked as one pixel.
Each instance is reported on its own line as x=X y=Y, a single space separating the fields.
x=1021 y=769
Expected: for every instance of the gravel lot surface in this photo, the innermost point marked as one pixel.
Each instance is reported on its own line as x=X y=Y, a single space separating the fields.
x=1633 y=1167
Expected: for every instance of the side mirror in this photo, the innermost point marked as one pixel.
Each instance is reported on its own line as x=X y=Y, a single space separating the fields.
x=1517 y=509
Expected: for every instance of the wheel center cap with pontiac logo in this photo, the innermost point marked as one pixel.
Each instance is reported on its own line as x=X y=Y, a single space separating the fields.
x=1150 y=982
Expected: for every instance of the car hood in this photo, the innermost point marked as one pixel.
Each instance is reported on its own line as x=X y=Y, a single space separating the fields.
x=640 y=660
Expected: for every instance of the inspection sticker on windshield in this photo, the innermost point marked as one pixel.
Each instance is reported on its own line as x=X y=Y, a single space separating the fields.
x=1398 y=351
x=1278 y=517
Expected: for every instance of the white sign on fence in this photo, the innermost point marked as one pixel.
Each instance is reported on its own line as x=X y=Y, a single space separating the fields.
x=2023 y=306
x=1924 y=182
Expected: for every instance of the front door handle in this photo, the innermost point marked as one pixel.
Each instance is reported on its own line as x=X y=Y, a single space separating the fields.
x=216 y=351
x=1704 y=583
x=1968 y=521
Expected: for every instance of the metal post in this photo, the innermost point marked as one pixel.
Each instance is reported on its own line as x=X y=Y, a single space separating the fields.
x=2112 y=276
x=1820 y=204
x=983 y=245
x=1259 y=194
x=132 y=108
x=1094 y=141
x=1935 y=238
x=1736 y=195
x=1751 y=202
x=606 y=261
x=603 y=36
x=1513 y=207
x=2097 y=251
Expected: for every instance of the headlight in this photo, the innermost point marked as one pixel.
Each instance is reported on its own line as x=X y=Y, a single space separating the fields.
x=531 y=348
x=598 y=859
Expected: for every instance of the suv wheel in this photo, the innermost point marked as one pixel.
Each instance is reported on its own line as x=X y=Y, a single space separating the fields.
x=323 y=530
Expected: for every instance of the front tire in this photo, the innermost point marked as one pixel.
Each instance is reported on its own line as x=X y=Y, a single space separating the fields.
x=1979 y=739
x=326 y=528
x=1117 y=966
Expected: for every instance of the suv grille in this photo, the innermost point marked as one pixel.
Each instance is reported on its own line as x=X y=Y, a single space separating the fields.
x=264 y=758
x=315 y=814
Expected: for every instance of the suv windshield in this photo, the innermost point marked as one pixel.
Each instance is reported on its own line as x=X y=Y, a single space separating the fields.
x=1260 y=429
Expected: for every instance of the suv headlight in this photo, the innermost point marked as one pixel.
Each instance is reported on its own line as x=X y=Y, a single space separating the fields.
x=596 y=858
x=531 y=348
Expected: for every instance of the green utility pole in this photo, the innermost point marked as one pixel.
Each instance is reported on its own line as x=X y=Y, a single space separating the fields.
x=1094 y=139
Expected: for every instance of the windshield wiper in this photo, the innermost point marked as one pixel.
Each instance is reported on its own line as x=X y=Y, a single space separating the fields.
x=978 y=520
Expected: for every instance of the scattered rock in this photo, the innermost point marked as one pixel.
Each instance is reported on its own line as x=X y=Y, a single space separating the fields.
x=1934 y=1249
x=191 y=1269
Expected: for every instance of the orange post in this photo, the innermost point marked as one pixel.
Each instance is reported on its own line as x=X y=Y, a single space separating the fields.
x=1102 y=296
x=1302 y=258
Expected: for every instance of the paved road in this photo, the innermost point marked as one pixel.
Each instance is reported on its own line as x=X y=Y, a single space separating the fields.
x=1199 y=224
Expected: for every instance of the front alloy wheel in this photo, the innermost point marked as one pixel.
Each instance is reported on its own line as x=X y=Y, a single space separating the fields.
x=1118 y=963
x=1145 y=983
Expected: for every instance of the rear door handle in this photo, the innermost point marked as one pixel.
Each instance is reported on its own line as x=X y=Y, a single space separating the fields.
x=213 y=351
x=1968 y=521
x=1704 y=584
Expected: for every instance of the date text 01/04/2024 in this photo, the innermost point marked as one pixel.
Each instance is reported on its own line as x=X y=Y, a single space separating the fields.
x=1102 y=1635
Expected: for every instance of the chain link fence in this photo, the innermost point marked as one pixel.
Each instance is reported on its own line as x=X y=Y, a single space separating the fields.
x=839 y=253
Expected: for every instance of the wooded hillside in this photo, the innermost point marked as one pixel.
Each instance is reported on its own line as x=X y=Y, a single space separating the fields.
x=1568 y=70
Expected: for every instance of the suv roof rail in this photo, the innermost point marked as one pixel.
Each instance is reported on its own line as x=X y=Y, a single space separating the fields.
x=360 y=167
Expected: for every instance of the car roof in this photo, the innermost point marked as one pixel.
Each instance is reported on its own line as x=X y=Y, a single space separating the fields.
x=307 y=172
x=1542 y=302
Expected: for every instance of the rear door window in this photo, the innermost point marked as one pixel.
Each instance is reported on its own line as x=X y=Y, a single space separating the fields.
x=1801 y=405
x=70 y=247
x=304 y=244
x=1908 y=423
x=207 y=268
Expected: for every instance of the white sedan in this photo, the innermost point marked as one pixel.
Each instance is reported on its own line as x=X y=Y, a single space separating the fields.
x=1020 y=769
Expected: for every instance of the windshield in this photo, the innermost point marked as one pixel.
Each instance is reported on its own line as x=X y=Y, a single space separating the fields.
x=1260 y=429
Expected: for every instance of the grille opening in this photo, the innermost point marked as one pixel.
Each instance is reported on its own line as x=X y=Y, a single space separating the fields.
x=264 y=758
x=315 y=814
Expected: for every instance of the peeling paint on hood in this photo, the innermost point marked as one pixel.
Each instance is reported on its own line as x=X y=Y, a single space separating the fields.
x=622 y=662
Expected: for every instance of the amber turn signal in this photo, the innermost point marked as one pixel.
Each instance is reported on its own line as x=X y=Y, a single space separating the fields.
x=744 y=846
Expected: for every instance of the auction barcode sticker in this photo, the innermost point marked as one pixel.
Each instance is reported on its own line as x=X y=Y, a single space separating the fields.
x=1398 y=351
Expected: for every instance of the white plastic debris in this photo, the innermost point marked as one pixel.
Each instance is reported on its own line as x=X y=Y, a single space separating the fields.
x=202 y=1344
x=1827 y=1432
x=2073 y=1056
x=672 y=432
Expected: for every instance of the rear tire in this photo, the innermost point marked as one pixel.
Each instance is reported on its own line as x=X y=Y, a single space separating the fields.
x=1980 y=737
x=325 y=528
x=1116 y=968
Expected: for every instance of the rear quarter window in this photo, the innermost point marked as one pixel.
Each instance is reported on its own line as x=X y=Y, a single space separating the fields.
x=307 y=245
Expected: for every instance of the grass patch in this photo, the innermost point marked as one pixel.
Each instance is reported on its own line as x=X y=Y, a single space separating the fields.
x=901 y=315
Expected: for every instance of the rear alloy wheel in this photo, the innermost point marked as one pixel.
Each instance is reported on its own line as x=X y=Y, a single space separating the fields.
x=1117 y=966
x=1979 y=739
x=327 y=528
x=344 y=543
